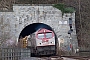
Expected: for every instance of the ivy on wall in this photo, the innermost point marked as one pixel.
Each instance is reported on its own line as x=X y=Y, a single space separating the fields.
x=63 y=8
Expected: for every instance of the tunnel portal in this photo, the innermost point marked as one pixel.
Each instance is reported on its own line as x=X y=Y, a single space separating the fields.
x=33 y=28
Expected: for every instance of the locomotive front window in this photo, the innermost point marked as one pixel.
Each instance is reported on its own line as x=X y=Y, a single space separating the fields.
x=49 y=35
x=40 y=35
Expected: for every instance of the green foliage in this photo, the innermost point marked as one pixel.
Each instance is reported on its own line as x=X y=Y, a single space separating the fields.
x=59 y=6
x=63 y=8
x=69 y=10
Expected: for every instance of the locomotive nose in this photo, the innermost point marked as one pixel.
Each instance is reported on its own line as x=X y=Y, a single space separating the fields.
x=46 y=40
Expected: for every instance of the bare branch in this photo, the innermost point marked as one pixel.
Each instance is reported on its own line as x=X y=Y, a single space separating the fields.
x=7 y=3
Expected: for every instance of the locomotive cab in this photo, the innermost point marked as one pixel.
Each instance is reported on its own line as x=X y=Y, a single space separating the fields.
x=43 y=42
x=45 y=37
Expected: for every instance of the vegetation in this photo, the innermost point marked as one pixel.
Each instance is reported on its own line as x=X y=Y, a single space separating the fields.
x=83 y=9
x=63 y=8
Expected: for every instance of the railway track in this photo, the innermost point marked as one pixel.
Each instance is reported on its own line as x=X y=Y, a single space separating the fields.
x=64 y=58
x=57 y=58
x=51 y=58
x=78 y=57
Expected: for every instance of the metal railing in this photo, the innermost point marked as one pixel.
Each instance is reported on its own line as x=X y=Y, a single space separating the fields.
x=14 y=53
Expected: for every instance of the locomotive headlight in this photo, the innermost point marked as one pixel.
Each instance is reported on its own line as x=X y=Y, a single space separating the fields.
x=51 y=42
x=40 y=43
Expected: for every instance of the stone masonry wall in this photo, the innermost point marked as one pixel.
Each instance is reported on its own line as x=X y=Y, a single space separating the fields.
x=12 y=23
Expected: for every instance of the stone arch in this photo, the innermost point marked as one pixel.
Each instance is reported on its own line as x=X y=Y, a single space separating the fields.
x=31 y=28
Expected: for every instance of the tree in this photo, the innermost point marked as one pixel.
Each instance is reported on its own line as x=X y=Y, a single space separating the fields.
x=7 y=4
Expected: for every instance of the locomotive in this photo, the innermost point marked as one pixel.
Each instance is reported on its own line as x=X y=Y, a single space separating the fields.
x=42 y=42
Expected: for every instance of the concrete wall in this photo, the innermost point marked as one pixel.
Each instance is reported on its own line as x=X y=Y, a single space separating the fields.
x=12 y=23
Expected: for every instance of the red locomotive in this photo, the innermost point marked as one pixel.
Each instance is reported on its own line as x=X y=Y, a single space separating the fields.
x=42 y=42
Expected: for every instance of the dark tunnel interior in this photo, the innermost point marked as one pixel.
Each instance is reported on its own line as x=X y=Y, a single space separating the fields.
x=32 y=28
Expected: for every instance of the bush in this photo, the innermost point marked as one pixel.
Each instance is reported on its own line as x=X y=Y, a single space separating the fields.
x=63 y=8
x=69 y=10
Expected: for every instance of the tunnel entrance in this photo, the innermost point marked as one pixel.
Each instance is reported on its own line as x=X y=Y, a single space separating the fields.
x=33 y=28
x=29 y=42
